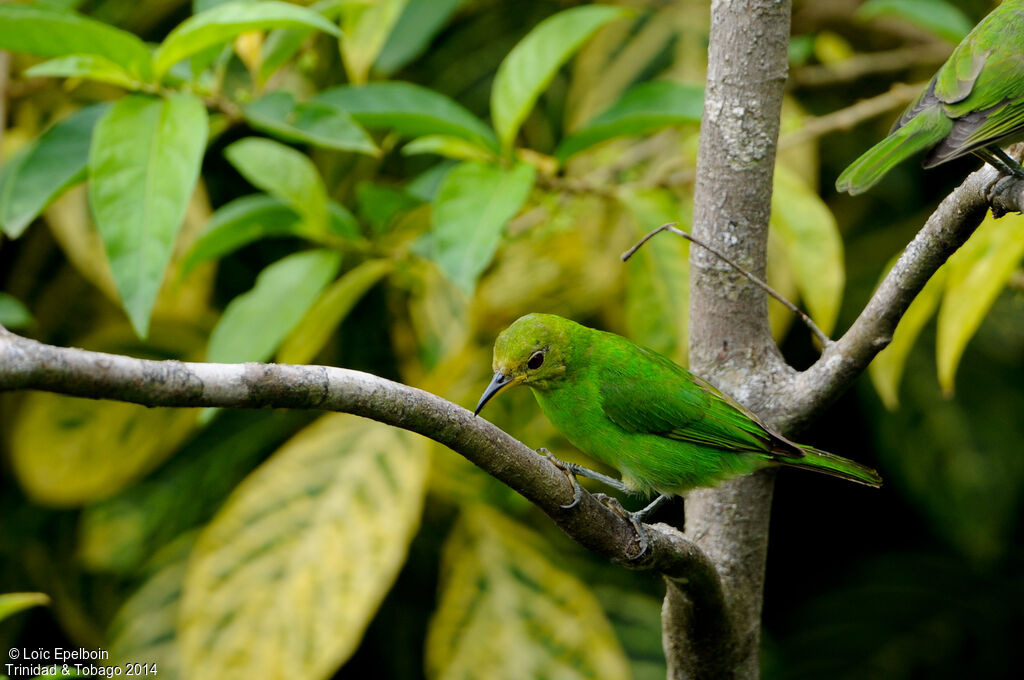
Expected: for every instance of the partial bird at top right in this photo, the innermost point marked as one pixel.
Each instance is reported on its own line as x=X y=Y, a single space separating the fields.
x=974 y=104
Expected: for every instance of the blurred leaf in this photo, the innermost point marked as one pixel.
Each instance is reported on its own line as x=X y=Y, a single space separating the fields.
x=224 y=22
x=439 y=314
x=303 y=552
x=831 y=48
x=936 y=16
x=48 y=166
x=256 y=322
x=380 y=205
x=88 y=66
x=410 y=110
x=420 y=22
x=240 y=222
x=958 y=460
x=886 y=369
x=658 y=287
x=145 y=629
x=814 y=250
x=313 y=332
x=314 y=123
x=283 y=43
x=143 y=166
x=449 y=147
x=472 y=207
x=978 y=272
x=530 y=66
x=425 y=185
x=636 y=618
x=12 y=603
x=507 y=612
x=283 y=172
x=643 y=109
x=801 y=48
x=13 y=314
x=47 y=31
x=67 y=451
x=119 y=533
x=364 y=29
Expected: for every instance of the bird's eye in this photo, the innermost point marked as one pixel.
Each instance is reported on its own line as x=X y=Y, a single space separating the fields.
x=536 y=361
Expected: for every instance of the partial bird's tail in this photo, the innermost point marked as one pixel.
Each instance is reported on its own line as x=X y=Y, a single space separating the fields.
x=837 y=466
x=921 y=132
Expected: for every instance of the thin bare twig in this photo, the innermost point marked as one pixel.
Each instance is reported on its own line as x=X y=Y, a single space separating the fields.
x=671 y=226
x=858 y=66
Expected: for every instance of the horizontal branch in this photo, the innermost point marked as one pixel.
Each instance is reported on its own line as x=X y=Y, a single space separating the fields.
x=28 y=364
x=946 y=230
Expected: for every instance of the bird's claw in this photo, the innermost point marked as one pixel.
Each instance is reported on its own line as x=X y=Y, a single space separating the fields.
x=570 y=472
x=994 y=194
x=634 y=518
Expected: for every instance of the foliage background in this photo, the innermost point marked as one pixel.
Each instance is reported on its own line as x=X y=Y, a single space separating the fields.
x=201 y=540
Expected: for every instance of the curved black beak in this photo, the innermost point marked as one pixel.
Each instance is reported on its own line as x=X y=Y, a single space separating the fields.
x=498 y=382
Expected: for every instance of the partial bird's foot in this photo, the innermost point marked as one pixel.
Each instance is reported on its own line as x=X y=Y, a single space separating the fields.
x=651 y=508
x=570 y=472
x=1000 y=195
x=634 y=518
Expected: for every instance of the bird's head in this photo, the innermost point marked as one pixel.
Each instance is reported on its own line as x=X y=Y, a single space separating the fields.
x=535 y=350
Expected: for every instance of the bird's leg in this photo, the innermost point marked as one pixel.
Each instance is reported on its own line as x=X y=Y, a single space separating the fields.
x=634 y=518
x=1011 y=166
x=1011 y=173
x=651 y=507
x=567 y=468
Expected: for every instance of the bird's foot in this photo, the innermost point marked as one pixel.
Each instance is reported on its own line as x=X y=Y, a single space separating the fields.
x=570 y=471
x=1000 y=194
x=652 y=507
x=634 y=518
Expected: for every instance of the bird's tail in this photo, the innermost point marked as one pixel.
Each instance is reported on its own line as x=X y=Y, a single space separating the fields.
x=921 y=132
x=831 y=464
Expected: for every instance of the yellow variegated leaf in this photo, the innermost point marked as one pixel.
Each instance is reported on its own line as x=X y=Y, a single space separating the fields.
x=658 y=283
x=814 y=250
x=886 y=369
x=312 y=333
x=978 y=272
x=283 y=582
x=506 y=612
x=781 y=277
x=144 y=631
x=439 y=313
x=67 y=451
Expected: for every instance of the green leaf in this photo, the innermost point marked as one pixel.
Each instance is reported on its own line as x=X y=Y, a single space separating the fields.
x=12 y=603
x=47 y=168
x=313 y=332
x=303 y=552
x=256 y=322
x=283 y=172
x=60 y=447
x=313 y=123
x=46 y=31
x=658 y=284
x=410 y=110
x=643 y=109
x=364 y=28
x=506 y=611
x=421 y=21
x=449 y=147
x=937 y=16
x=379 y=205
x=119 y=533
x=143 y=166
x=470 y=212
x=13 y=314
x=222 y=23
x=978 y=272
x=240 y=222
x=886 y=369
x=144 y=630
x=530 y=66
x=810 y=238
x=283 y=43
x=88 y=66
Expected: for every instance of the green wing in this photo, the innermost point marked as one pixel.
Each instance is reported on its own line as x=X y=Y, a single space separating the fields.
x=656 y=396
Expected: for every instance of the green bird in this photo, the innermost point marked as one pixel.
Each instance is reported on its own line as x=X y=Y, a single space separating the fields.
x=664 y=429
x=974 y=104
